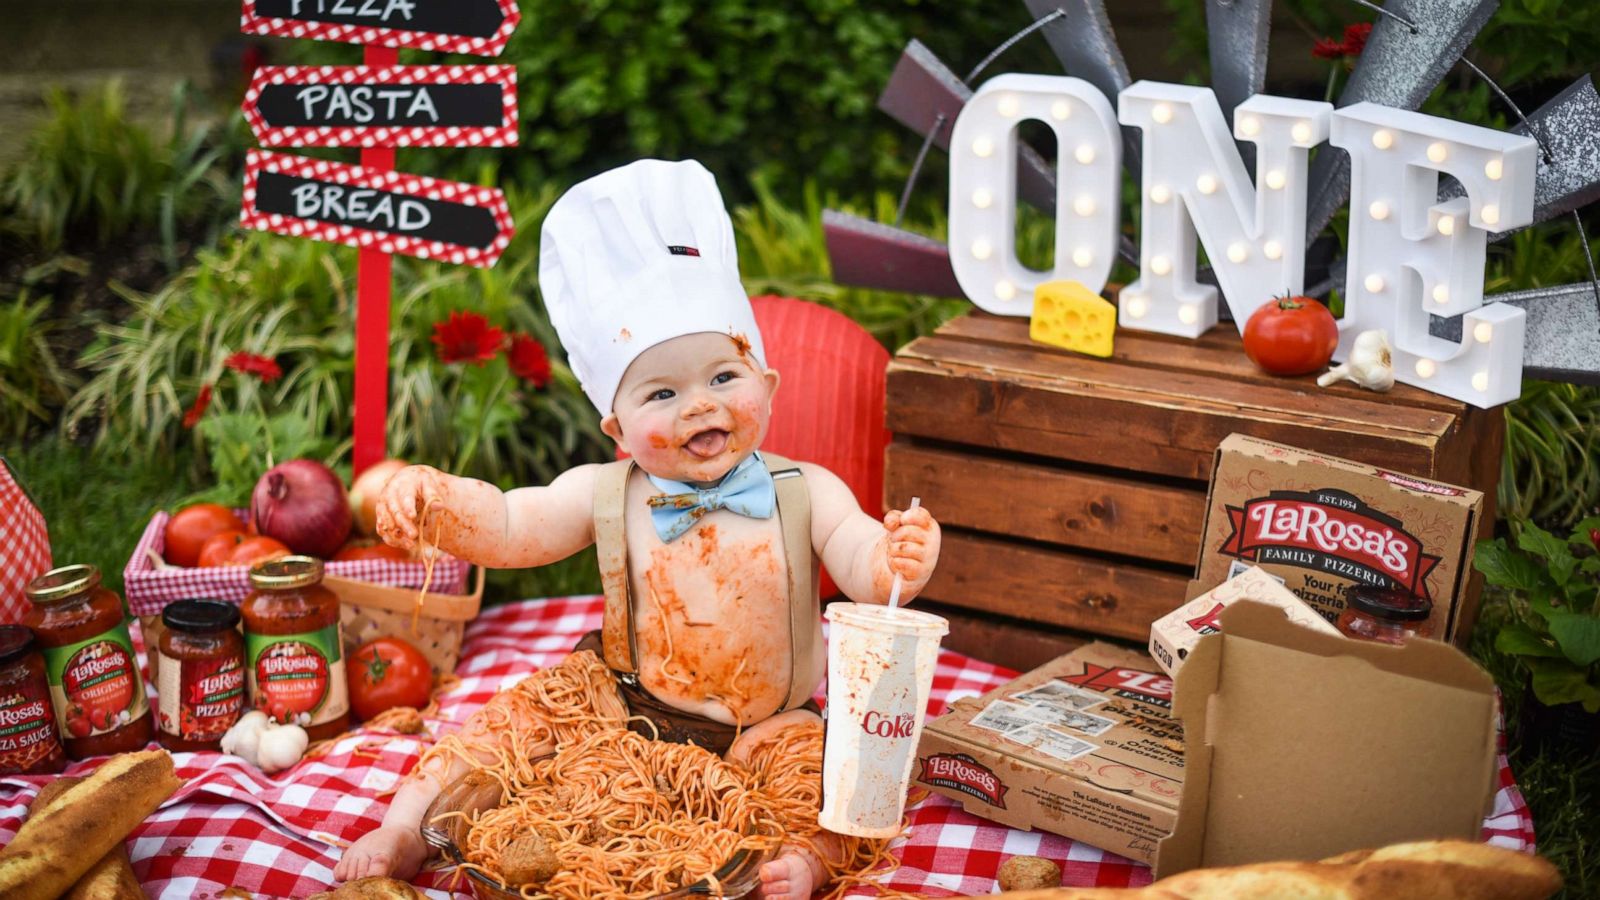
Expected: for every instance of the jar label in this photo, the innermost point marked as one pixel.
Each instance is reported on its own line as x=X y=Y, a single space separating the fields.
x=298 y=678
x=199 y=699
x=95 y=684
x=27 y=728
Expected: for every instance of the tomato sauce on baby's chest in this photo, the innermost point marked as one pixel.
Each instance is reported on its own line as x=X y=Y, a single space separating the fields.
x=712 y=615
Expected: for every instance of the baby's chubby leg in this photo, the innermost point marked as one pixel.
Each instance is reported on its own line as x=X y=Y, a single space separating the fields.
x=799 y=869
x=395 y=847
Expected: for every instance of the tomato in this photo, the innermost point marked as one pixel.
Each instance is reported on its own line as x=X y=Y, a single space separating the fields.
x=219 y=547
x=255 y=548
x=371 y=550
x=1291 y=336
x=386 y=673
x=190 y=527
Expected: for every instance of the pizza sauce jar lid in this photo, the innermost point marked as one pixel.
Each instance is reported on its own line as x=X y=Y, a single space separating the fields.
x=286 y=573
x=1392 y=604
x=31 y=744
x=200 y=616
x=62 y=584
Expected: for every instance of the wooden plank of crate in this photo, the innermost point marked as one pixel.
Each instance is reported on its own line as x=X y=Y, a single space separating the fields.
x=1057 y=588
x=1052 y=504
x=1223 y=357
x=1004 y=642
x=1185 y=388
x=1113 y=426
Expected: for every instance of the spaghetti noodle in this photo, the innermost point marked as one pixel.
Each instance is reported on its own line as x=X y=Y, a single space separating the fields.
x=626 y=816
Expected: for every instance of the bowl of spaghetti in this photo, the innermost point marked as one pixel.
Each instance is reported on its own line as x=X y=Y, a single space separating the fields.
x=616 y=815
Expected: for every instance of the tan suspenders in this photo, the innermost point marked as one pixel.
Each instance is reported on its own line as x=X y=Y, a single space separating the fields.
x=619 y=640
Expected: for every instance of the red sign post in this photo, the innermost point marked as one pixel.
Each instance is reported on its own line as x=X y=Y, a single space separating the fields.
x=378 y=107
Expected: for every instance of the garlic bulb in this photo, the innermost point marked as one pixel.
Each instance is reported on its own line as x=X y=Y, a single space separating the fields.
x=281 y=746
x=243 y=739
x=1371 y=363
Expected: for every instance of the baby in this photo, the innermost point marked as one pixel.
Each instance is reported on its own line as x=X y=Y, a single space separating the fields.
x=706 y=551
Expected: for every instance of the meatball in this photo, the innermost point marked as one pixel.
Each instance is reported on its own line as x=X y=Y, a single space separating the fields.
x=1028 y=873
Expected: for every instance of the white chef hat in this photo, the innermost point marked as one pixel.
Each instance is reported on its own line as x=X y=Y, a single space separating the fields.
x=637 y=256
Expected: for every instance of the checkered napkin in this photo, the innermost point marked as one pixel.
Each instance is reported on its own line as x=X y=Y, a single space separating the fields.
x=150 y=588
x=230 y=826
x=24 y=546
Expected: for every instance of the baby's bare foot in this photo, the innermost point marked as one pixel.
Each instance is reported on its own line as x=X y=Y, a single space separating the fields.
x=386 y=850
x=789 y=877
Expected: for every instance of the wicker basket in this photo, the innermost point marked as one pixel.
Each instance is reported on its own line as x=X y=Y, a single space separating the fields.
x=371 y=611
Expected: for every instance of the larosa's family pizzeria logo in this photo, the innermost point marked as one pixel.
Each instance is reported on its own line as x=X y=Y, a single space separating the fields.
x=1329 y=531
x=960 y=772
x=1153 y=688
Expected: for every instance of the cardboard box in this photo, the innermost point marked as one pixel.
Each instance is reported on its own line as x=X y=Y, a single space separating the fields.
x=1323 y=524
x=1307 y=745
x=1314 y=745
x=1112 y=781
x=1174 y=635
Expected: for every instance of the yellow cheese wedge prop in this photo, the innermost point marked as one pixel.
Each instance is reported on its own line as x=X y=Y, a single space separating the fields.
x=1068 y=315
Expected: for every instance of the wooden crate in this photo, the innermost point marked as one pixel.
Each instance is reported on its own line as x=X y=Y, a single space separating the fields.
x=1072 y=490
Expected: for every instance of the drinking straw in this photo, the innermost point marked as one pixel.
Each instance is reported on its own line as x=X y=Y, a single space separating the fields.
x=894 y=590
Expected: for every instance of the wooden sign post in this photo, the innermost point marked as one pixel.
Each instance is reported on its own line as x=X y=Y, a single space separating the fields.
x=377 y=107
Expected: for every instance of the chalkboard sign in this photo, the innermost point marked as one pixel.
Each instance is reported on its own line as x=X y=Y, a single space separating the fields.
x=454 y=26
x=395 y=212
x=396 y=106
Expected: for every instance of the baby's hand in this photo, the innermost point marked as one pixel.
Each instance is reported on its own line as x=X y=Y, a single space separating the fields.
x=913 y=545
x=400 y=509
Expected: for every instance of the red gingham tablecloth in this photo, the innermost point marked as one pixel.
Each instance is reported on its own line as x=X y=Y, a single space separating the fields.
x=231 y=826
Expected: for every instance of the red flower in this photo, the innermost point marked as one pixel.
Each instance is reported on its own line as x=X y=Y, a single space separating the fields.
x=467 y=337
x=528 y=360
x=1327 y=48
x=263 y=367
x=192 y=415
x=1355 y=37
x=1355 y=40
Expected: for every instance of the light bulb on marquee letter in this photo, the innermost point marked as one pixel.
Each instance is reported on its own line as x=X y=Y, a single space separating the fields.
x=1088 y=188
x=1255 y=238
x=1431 y=254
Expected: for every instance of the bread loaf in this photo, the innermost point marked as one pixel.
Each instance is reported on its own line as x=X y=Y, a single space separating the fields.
x=61 y=843
x=1426 y=870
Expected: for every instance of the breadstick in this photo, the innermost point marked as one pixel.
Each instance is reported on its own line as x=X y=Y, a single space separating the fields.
x=59 y=844
x=112 y=877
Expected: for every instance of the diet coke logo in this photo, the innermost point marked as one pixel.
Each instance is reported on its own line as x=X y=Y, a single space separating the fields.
x=900 y=726
x=960 y=772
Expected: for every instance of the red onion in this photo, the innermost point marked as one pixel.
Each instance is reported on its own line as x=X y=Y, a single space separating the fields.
x=302 y=503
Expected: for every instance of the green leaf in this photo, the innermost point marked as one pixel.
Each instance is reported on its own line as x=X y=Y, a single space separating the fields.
x=1578 y=635
x=1505 y=567
x=1556 y=682
x=1556 y=553
x=1520 y=640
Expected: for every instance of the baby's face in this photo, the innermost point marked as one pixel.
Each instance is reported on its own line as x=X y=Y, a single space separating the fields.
x=692 y=408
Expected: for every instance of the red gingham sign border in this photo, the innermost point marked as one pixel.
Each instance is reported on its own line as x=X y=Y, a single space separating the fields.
x=250 y=23
x=504 y=135
x=422 y=186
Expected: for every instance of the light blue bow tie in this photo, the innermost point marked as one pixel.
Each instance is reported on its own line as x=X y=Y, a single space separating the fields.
x=747 y=490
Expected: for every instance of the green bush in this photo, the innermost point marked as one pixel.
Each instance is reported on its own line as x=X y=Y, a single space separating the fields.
x=292 y=300
x=32 y=385
x=91 y=174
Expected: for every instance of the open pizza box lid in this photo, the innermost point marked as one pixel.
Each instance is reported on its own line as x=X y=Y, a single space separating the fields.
x=1302 y=745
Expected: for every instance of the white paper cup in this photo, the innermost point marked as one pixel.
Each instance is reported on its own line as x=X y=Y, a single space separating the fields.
x=880 y=671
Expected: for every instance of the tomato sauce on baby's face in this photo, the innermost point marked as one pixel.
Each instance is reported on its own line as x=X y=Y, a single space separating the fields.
x=692 y=408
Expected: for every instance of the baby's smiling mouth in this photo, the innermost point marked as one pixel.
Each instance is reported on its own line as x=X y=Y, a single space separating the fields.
x=707 y=444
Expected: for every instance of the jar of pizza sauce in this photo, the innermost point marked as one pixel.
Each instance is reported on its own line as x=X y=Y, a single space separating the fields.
x=30 y=744
x=1385 y=615
x=294 y=652
x=200 y=666
x=89 y=661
